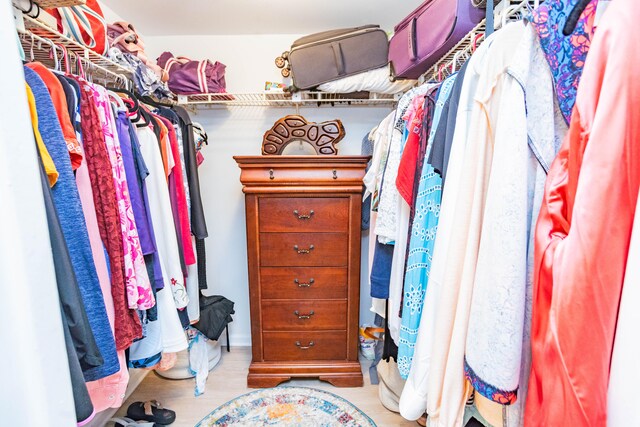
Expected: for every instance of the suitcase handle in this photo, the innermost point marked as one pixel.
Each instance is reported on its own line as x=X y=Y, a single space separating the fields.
x=413 y=54
x=337 y=54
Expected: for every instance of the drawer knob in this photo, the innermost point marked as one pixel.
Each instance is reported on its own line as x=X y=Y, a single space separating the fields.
x=303 y=216
x=304 y=347
x=335 y=174
x=302 y=251
x=271 y=174
x=303 y=316
x=304 y=285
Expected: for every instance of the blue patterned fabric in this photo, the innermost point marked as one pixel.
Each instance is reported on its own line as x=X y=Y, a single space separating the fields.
x=565 y=54
x=423 y=235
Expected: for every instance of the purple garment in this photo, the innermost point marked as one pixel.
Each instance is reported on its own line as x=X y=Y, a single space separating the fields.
x=135 y=184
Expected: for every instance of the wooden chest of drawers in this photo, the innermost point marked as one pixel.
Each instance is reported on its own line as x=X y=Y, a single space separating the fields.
x=303 y=248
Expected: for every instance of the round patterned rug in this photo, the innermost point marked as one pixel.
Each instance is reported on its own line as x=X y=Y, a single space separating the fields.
x=287 y=407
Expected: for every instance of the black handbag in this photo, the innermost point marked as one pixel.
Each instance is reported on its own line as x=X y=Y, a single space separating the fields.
x=215 y=315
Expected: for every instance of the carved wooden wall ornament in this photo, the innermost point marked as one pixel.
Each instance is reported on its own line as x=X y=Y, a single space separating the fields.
x=323 y=137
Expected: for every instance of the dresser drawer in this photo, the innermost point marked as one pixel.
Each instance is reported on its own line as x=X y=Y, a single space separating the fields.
x=304 y=249
x=316 y=345
x=304 y=315
x=303 y=282
x=308 y=214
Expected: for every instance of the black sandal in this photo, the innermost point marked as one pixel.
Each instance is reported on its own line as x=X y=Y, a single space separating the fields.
x=151 y=411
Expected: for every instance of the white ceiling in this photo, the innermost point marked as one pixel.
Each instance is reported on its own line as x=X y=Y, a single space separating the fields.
x=198 y=17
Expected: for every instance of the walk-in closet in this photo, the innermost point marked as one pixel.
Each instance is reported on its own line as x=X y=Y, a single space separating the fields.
x=319 y=214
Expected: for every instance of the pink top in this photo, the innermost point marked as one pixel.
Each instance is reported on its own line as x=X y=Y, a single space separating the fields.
x=107 y=392
x=139 y=293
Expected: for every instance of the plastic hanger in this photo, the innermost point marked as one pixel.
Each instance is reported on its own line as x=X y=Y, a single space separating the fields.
x=116 y=99
x=454 y=62
x=476 y=39
x=574 y=17
x=53 y=54
x=31 y=54
x=65 y=58
x=150 y=101
x=137 y=114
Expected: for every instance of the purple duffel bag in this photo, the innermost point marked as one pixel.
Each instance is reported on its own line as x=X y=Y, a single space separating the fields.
x=188 y=77
x=428 y=33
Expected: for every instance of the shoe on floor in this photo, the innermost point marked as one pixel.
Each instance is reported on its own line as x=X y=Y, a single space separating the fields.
x=152 y=411
x=128 y=422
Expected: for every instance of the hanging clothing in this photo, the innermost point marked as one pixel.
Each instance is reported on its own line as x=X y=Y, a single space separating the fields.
x=76 y=323
x=198 y=222
x=373 y=178
x=144 y=227
x=107 y=392
x=178 y=197
x=147 y=352
x=162 y=218
x=72 y=101
x=139 y=293
x=389 y=206
x=448 y=390
x=583 y=233
x=407 y=168
x=413 y=401
x=167 y=330
x=423 y=234
x=141 y=173
x=566 y=54
x=403 y=217
x=526 y=139
x=67 y=202
x=47 y=162
x=193 y=288
x=441 y=150
x=71 y=306
x=59 y=99
x=126 y=322
x=381 y=270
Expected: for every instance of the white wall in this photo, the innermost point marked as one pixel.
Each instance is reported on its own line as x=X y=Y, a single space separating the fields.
x=34 y=369
x=238 y=131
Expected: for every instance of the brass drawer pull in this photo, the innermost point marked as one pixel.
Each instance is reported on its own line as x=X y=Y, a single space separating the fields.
x=302 y=251
x=303 y=216
x=303 y=347
x=304 y=285
x=303 y=316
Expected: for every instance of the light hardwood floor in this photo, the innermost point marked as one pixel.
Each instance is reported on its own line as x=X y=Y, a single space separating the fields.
x=228 y=380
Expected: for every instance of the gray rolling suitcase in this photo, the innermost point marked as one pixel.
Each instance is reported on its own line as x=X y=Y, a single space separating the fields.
x=332 y=55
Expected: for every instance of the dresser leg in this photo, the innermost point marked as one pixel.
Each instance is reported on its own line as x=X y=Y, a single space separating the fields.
x=350 y=380
x=265 y=381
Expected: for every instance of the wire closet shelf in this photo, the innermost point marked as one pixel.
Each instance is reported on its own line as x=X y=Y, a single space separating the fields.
x=50 y=4
x=504 y=12
x=48 y=46
x=283 y=99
